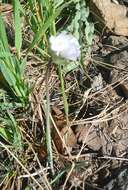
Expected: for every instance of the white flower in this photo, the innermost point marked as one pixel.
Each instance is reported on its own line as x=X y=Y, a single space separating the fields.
x=66 y=46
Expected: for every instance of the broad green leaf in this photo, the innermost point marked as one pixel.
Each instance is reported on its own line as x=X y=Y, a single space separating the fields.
x=3 y=36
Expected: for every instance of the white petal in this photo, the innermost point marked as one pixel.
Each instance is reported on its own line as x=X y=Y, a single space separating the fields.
x=65 y=45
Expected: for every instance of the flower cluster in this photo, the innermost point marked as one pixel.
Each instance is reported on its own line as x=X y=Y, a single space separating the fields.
x=66 y=46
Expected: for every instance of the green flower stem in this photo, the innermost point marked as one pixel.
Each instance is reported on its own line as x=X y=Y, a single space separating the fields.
x=48 y=123
x=63 y=91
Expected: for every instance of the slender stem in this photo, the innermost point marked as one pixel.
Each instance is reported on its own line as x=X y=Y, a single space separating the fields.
x=63 y=91
x=48 y=122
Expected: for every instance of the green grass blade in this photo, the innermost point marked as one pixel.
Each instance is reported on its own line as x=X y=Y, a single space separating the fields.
x=17 y=23
x=44 y=26
x=40 y=33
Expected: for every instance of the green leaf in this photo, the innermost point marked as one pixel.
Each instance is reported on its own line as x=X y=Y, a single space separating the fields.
x=70 y=67
x=17 y=140
x=17 y=23
x=5 y=134
x=28 y=188
x=3 y=35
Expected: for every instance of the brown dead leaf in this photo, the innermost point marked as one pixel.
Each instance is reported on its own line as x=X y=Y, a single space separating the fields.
x=95 y=137
x=56 y=111
x=60 y=123
x=69 y=137
x=59 y=117
x=66 y=133
x=42 y=152
x=120 y=132
x=113 y=16
x=89 y=135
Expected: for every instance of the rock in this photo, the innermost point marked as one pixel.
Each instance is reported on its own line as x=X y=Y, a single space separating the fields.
x=110 y=15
